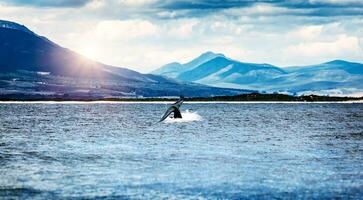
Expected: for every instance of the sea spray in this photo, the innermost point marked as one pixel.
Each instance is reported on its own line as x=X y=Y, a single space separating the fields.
x=188 y=116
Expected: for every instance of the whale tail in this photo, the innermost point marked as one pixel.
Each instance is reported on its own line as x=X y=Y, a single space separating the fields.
x=174 y=108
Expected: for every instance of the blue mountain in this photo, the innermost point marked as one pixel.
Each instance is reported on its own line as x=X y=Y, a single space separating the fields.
x=32 y=65
x=336 y=77
x=174 y=69
x=349 y=67
x=228 y=70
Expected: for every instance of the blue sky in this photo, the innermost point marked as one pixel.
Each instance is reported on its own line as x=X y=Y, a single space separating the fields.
x=145 y=34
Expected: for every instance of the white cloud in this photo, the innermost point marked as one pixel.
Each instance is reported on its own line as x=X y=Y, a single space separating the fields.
x=112 y=32
x=344 y=46
x=307 y=32
x=117 y=29
x=184 y=29
x=138 y=2
x=336 y=1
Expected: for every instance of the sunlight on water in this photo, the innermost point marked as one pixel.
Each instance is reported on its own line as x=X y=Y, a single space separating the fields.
x=188 y=116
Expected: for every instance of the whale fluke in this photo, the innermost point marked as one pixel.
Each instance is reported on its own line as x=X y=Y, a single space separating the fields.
x=174 y=108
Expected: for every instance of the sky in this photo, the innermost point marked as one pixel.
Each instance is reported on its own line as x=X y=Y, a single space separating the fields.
x=145 y=34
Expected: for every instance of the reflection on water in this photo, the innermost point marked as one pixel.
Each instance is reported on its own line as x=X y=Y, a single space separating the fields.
x=224 y=151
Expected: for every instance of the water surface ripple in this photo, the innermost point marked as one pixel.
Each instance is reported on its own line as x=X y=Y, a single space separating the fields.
x=234 y=151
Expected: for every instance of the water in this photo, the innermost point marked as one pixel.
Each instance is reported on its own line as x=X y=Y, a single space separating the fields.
x=228 y=151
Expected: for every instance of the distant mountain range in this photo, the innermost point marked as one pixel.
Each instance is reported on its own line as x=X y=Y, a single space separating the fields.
x=336 y=77
x=31 y=66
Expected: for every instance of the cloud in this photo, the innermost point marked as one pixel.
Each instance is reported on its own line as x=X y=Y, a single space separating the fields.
x=342 y=46
x=117 y=29
x=208 y=4
x=169 y=9
x=47 y=3
x=198 y=8
x=186 y=29
x=145 y=34
x=306 y=33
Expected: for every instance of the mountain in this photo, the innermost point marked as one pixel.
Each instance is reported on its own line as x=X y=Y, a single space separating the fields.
x=15 y=26
x=174 y=69
x=336 y=77
x=349 y=67
x=228 y=70
x=32 y=65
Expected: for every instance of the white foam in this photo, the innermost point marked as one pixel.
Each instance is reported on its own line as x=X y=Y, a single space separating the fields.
x=187 y=117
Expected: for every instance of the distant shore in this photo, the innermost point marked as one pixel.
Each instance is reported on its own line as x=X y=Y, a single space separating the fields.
x=187 y=102
x=253 y=97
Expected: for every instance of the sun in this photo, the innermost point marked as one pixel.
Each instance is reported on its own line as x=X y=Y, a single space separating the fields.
x=90 y=52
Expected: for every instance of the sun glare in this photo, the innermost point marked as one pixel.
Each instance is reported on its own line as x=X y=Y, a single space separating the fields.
x=90 y=52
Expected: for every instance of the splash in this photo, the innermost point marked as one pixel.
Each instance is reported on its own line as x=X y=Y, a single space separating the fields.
x=187 y=117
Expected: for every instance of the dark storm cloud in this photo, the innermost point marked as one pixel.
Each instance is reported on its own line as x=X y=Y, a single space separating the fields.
x=48 y=3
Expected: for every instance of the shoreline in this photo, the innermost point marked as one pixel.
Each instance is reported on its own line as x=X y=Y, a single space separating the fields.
x=185 y=102
x=243 y=98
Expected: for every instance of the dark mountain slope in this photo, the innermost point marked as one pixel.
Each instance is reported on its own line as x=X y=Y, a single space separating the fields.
x=33 y=65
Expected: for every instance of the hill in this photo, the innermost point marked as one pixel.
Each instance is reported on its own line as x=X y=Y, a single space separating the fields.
x=338 y=77
x=33 y=66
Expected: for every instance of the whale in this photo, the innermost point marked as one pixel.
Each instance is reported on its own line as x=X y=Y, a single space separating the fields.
x=174 y=108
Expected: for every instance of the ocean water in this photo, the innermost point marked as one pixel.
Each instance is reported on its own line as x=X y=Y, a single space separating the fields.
x=217 y=151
